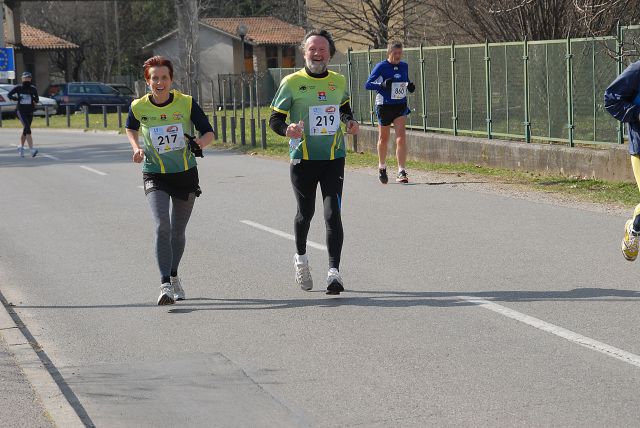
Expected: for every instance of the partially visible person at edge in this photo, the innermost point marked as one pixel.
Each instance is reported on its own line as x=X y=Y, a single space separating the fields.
x=390 y=79
x=622 y=101
x=169 y=170
x=316 y=101
x=27 y=97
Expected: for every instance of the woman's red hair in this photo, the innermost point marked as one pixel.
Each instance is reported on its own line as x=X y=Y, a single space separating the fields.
x=157 y=61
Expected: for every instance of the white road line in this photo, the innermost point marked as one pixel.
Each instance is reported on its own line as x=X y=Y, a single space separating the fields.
x=95 y=171
x=282 y=234
x=569 y=335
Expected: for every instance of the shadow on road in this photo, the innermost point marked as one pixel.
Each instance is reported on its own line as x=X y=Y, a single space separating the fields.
x=382 y=299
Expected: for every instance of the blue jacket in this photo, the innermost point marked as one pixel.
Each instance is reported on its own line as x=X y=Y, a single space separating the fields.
x=385 y=70
x=622 y=101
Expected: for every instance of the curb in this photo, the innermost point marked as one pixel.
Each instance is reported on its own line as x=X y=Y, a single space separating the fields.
x=26 y=353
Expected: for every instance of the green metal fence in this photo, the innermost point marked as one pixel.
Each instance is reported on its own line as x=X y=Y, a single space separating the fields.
x=544 y=90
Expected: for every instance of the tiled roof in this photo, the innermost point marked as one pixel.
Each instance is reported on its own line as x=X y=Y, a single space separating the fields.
x=34 y=38
x=262 y=30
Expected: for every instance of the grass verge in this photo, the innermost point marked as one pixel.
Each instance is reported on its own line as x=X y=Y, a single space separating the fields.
x=599 y=191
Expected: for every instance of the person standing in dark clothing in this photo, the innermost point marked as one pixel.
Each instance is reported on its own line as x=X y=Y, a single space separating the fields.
x=27 y=97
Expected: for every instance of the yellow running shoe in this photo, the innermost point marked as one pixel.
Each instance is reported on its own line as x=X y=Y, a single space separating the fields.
x=630 y=242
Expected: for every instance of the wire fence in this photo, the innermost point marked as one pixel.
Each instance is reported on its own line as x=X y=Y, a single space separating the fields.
x=544 y=90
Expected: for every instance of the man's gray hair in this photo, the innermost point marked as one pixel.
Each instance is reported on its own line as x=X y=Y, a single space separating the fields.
x=322 y=33
x=393 y=45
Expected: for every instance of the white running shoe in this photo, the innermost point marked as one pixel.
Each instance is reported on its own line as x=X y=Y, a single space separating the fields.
x=21 y=151
x=334 y=282
x=178 y=291
x=166 y=295
x=303 y=272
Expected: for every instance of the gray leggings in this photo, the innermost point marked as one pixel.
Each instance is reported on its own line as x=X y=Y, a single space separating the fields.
x=170 y=232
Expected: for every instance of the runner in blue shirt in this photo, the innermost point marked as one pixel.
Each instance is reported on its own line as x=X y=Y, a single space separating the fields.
x=622 y=101
x=390 y=79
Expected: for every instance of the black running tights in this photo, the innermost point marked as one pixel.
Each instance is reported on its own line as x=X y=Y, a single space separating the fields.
x=305 y=177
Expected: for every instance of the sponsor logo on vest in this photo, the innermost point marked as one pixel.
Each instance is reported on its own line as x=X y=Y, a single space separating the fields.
x=302 y=88
x=322 y=96
x=163 y=117
x=177 y=116
x=144 y=118
x=332 y=86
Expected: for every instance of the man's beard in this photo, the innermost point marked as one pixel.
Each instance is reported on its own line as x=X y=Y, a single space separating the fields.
x=316 y=67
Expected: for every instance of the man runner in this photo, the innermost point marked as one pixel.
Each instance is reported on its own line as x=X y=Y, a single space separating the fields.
x=390 y=79
x=316 y=101
x=622 y=101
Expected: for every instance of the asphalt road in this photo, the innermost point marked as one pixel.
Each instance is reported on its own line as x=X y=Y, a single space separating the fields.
x=463 y=308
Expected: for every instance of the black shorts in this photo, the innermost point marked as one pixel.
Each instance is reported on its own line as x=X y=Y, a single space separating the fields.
x=387 y=113
x=177 y=184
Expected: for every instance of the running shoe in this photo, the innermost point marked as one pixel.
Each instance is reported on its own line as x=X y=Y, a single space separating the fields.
x=402 y=177
x=630 y=242
x=21 y=151
x=166 y=295
x=382 y=175
x=34 y=153
x=303 y=274
x=178 y=291
x=334 y=282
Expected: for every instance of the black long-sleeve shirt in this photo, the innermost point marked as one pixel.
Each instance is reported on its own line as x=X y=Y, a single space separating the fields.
x=26 y=96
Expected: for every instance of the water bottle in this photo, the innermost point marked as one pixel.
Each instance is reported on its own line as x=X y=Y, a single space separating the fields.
x=294 y=143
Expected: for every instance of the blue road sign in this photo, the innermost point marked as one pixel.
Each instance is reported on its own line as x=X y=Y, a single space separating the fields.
x=7 y=64
x=6 y=60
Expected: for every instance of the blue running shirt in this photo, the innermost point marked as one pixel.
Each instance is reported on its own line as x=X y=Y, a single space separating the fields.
x=397 y=93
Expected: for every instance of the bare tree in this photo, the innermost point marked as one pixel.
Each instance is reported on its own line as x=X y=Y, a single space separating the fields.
x=509 y=20
x=373 y=22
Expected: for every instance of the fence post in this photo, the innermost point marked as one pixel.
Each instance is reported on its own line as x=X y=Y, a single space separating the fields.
x=349 y=78
x=252 y=121
x=569 y=58
x=67 y=110
x=454 y=103
x=119 y=111
x=104 y=116
x=258 y=100
x=619 y=46
x=527 y=122
x=223 y=119
x=86 y=117
x=263 y=127
x=243 y=139
x=423 y=90
x=370 y=92
x=487 y=77
x=593 y=88
x=233 y=129
x=46 y=115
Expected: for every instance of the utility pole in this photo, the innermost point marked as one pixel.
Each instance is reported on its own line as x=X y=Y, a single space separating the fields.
x=2 y=24
x=118 y=53
x=302 y=16
x=188 y=46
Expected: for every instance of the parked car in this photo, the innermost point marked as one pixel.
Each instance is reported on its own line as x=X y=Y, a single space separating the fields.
x=7 y=106
x=123 y=89
x=92 y=95
x=50 y=103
